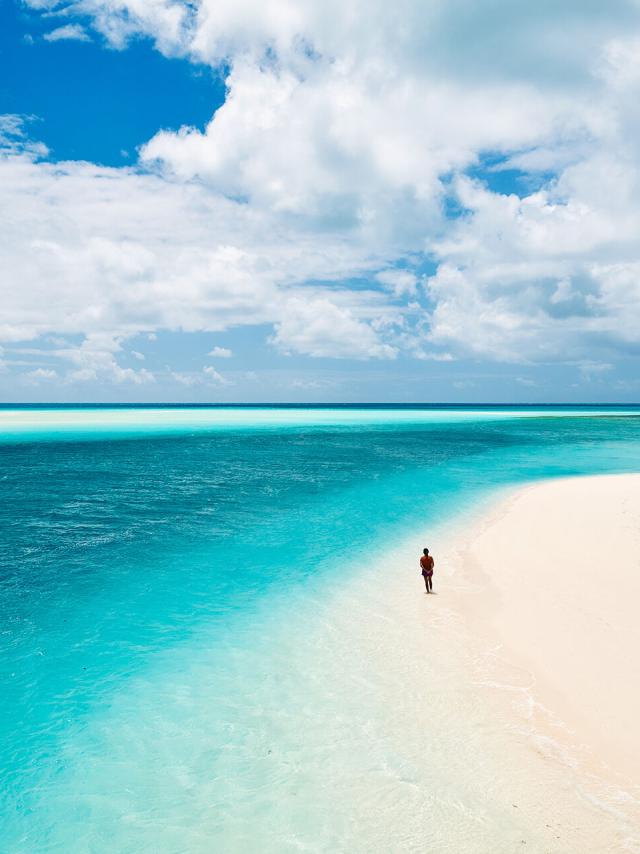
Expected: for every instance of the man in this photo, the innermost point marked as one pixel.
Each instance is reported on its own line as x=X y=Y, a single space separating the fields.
x=427 y=563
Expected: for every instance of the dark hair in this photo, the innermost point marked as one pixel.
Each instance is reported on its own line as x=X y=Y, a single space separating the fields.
x=425 y=551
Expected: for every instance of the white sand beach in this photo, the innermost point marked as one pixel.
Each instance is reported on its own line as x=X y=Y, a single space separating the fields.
x=557 y=569
x=511 y=696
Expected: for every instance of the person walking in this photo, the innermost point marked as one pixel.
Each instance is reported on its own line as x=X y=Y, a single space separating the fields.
x=426 y=564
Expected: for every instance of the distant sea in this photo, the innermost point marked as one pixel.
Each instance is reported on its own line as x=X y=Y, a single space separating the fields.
x=161 y=568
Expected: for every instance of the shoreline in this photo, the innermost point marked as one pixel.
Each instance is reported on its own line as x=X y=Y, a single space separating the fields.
x=379 y=719
x=462 y=703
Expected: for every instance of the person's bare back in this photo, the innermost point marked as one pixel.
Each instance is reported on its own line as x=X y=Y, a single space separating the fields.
x=426 y=565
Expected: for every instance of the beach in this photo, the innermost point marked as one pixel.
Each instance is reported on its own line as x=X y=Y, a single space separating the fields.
x=511 y=694
x=556 y=569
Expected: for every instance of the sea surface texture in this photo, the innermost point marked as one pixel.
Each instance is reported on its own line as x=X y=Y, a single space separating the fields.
x=169 y=678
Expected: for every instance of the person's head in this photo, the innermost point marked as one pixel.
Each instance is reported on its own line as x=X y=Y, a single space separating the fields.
x=425 y=551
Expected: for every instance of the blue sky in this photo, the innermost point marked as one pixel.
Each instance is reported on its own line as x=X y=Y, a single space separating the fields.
x=92 y=102
x=243 y=201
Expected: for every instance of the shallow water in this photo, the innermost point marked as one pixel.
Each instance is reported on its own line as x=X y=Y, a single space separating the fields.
x=177 y=677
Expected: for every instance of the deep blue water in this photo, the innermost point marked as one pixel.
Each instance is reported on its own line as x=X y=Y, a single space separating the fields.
x=119 y=547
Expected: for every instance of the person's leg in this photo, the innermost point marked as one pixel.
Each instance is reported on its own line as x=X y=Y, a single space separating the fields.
x=426 y=582
x=430 y=584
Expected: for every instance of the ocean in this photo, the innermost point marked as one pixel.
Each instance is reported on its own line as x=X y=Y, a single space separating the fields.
x=173 y=676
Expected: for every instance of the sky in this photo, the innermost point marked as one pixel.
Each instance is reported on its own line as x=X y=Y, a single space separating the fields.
x=320 y=200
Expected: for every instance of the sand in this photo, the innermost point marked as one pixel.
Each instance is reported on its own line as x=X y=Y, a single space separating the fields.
x=500 y=712
x=553 y=577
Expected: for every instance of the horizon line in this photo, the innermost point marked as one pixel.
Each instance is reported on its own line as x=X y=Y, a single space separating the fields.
x=317 y=404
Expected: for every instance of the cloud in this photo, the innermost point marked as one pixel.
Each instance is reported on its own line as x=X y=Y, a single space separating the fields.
x=319 y=328
x=550 y=276
x=95 y=359
x=205 y=377
x=399 y=282
x=183 y=378
x=220 y=353
x=41 y=374
x=68 y=32
x=342 y=153
x=14 y=138
x=127 y=253
x=211 y=375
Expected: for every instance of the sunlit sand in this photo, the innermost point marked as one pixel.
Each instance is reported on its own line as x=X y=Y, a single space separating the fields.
x=558 y=574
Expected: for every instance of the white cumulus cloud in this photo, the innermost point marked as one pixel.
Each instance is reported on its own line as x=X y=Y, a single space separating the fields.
x=356 y=148
x=68 y=32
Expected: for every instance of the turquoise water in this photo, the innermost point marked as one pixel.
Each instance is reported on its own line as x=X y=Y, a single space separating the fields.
x=158 y=566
